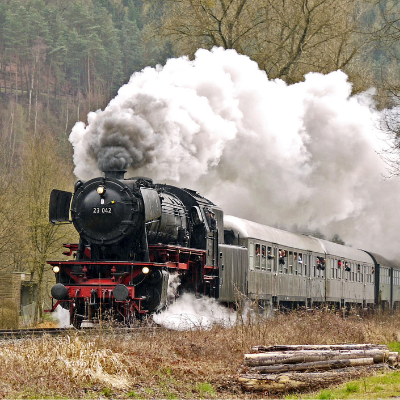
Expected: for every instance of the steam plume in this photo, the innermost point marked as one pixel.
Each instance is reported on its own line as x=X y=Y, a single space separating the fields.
x=300 y=156
x=190 y=313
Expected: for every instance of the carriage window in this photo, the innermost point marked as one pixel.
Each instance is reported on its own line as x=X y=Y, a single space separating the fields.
x=385 y=276
x=263 y=257
x=295 y=263
x=282 y=261
x=251 y=256
x=300 y=264
x=257 y=256
x=270 y=258
x=290 y=262
x=396 y=277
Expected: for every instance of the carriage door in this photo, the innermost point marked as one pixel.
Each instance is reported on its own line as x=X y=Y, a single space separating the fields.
x=342 y=281
x=307 y=273
x=274 y=271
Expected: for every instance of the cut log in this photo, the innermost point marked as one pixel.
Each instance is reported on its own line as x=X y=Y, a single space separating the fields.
x=305 y=380
x=301 y=356
x=393 y=358
x=314 y=366
x=318 y=347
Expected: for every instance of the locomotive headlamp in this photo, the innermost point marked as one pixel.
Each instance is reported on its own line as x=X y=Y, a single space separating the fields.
x=56 y=269
x=145 y=270
x=101 y=190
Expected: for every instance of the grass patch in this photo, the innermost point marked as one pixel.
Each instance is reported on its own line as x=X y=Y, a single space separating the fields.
x=325 y=395
x=352 y=387
x=394 y=346
x=205 y=390
x=381 y=386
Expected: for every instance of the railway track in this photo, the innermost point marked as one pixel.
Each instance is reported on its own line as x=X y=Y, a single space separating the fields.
x=23 y=333
x=9 y=334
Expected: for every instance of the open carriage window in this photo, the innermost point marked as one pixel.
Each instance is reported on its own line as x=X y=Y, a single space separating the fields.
x=257 y=256
x=263 y=257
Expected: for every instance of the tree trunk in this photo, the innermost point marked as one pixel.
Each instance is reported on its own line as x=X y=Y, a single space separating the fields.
x=318 y=347
x=302 y=356
x=314 y=366
x=304 y=380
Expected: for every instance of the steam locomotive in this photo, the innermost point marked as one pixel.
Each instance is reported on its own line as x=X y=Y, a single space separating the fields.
x=134 y=234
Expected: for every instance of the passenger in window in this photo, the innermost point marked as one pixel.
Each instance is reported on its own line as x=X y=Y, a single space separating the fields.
x=263 y=252
x=282 y=255
x=346 y=267
x=321 y=263
x=257 y=249
x=300 y=260
x=270 y=256
x=339 y=264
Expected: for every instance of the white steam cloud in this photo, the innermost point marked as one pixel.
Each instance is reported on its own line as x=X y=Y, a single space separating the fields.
x=61 y=316
x=188 y=312
x=191 y=313
x=302 y=156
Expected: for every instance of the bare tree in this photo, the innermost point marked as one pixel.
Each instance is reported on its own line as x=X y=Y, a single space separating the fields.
x=41 y=171
x=287 y=38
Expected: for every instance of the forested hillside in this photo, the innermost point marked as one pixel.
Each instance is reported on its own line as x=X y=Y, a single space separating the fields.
x=61 y=59
x=58 y=61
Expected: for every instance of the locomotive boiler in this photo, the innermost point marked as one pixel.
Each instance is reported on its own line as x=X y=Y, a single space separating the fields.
x=132 y=235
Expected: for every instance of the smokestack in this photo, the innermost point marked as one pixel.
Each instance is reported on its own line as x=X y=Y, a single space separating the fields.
x=115 y=174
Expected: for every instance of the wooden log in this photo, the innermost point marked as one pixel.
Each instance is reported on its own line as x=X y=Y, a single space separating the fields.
x=300 y=356
x=304 y=380
x=318 y=347
x=314 y=366
x=393 y=358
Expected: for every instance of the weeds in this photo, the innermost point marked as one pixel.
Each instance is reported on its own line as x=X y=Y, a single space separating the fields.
x=352 y=387
x=205 y=389
x=172 y=364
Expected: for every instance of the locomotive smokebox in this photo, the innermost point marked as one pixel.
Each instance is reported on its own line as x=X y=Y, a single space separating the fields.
x=116 y=174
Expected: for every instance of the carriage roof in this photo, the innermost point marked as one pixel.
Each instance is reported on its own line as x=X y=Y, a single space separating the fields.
x=345 y=252
x=252 y=230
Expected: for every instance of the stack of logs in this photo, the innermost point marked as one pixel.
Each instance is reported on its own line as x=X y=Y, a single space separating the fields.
x=284 y=368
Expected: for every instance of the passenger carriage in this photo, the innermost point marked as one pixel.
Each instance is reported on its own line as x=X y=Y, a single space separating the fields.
x=287 y=269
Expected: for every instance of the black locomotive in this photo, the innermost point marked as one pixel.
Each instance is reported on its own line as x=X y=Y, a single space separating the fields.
x=134 y=234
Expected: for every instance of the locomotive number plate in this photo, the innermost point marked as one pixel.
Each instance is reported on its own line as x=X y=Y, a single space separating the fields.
x=102 y=210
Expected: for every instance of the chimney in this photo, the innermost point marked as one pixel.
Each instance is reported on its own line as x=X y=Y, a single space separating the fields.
x=115 y=174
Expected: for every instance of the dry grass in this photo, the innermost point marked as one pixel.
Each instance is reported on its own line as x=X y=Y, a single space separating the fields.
x=168 y=364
